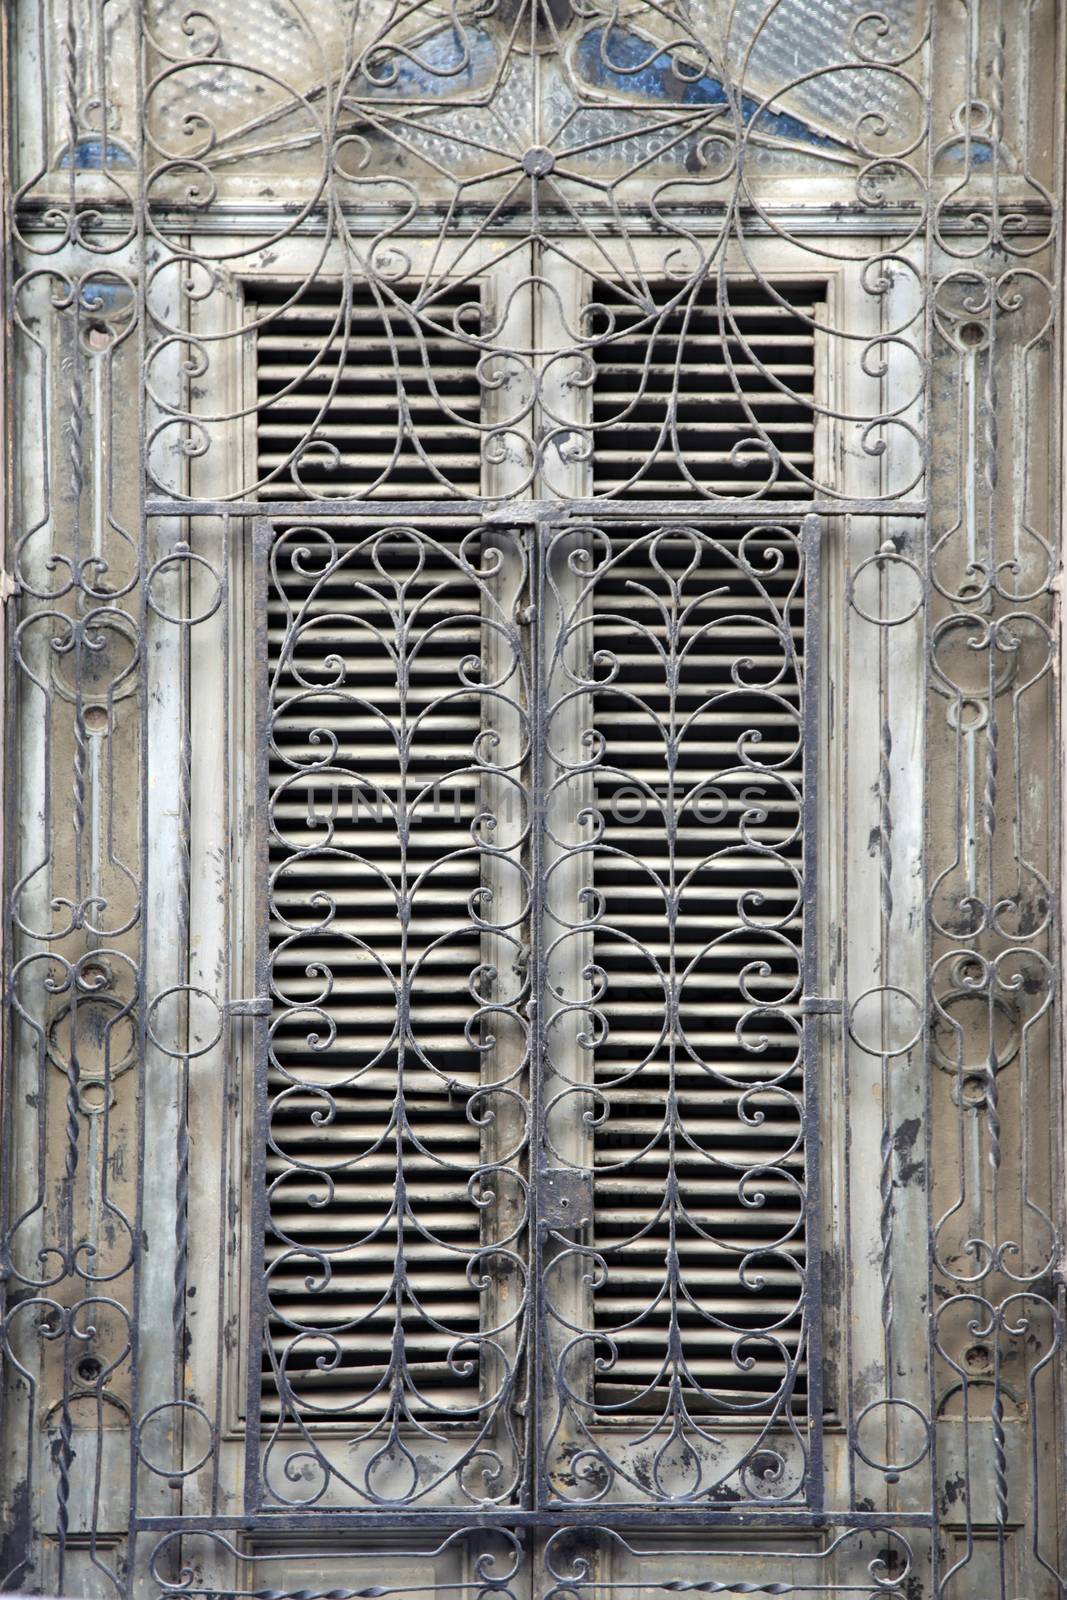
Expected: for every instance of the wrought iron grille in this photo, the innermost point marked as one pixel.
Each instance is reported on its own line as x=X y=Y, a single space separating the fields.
x=522 y=1039
x=531 y=798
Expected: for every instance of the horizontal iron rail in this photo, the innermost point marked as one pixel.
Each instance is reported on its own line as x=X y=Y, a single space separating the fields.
x=799 y=217
x=658 y=1519
x=738 y=510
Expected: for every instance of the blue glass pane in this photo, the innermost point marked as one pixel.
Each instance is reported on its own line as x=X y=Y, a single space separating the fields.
x=93 y=155
x=615 y=58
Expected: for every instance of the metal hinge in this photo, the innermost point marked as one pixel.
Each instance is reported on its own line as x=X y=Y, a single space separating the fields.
x=566 y=1197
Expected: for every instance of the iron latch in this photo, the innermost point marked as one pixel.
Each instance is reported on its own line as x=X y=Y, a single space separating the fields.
x=566 y=1197
x=259 y=1005
x=819 y=1005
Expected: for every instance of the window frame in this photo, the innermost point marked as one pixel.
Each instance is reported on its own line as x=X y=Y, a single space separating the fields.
x=848 y=304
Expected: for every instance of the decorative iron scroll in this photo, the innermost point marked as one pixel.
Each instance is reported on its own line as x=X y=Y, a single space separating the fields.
x=628 y=294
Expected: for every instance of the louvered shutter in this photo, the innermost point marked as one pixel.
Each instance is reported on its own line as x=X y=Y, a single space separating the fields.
x=350 y=369
x=333 y=1237
x=389 y=402
x=717 y=1071
x=736 y=368
x=699 y=385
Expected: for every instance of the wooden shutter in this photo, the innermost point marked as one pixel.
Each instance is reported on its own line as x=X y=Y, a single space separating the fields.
x=331 y=1266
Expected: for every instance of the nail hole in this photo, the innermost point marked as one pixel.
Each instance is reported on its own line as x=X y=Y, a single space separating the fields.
x=978 y=1358
x=971 y=334
x=95 y=719
x=88 y=1369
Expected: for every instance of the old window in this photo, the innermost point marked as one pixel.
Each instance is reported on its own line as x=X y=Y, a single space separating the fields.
x=530 y=938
